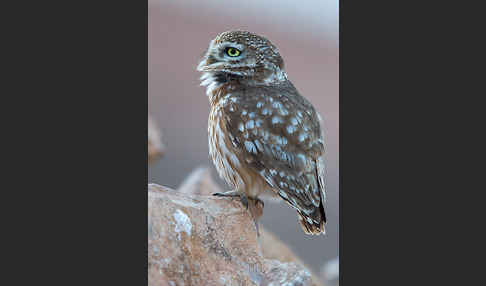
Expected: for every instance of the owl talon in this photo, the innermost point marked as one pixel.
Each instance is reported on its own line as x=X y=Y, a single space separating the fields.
x=244 y=201
x=231 y=194
x=256 y=211
x=234 y=194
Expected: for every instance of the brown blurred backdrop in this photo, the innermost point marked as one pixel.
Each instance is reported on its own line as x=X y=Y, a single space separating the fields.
x=306 y=34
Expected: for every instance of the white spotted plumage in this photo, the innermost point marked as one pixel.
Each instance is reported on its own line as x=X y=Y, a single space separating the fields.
x=262 y=134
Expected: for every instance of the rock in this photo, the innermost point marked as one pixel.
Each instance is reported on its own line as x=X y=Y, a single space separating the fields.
x=226 y=239
x=155 y=145
x=206 y=240
x=274 y=248
x=199 y=182
x=330 y=271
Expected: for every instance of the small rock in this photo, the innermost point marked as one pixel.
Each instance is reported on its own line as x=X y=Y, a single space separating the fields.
x=199 y=182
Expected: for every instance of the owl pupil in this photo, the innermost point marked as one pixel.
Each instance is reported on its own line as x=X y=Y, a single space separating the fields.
x=232 y=52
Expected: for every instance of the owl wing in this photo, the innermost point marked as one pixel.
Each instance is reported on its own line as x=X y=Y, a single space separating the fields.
x=277 y=134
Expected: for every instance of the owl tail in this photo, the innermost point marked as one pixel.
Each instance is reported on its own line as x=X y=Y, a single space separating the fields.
x=314 y=222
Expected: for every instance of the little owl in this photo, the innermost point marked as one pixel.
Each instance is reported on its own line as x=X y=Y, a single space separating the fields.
x=264 y=137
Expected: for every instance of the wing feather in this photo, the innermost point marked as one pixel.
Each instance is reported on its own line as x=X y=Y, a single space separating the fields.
x=278 y=134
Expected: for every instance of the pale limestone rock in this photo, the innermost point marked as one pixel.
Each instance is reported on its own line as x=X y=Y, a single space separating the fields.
x=218 y=217
x=274 y=248
x=199 y=182
x=205 y=240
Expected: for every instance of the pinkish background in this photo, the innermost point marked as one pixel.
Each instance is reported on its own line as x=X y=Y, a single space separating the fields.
x=306 y=35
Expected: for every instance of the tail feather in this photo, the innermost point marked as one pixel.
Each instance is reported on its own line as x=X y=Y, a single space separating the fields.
x=314 y=223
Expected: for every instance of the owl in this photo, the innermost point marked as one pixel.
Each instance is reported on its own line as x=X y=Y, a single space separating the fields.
x=264 y=137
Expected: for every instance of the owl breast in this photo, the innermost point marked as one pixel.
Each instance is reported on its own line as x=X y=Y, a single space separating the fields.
x=228 y=161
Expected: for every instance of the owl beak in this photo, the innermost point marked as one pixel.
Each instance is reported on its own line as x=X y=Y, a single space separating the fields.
x=208 y=63
x=203 y=64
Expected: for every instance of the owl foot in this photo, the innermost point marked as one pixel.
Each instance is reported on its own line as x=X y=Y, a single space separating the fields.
x=234 y=194
x=256 y=211
x=253 y=205
x=258 y=203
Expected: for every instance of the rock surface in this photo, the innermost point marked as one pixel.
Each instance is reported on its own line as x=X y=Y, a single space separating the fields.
x=205 y=240
x=155 y=145
x=200 y=182
x=274 y=248
x=199 y=239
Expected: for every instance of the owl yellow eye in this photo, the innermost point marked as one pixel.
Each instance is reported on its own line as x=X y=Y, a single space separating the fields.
x=232 y=52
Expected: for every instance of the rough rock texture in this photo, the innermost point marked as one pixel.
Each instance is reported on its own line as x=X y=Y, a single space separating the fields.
x=274 y=248
x=198 y=239
x=155 y=145
x=205 y=240
x=200 y=182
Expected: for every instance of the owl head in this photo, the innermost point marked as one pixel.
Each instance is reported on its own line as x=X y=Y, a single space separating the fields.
x=244 y=55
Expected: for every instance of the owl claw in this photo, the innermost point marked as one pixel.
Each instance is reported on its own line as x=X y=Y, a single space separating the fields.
x=234 y=194
x=244 y=201
x=255 y=208
x=227 y=194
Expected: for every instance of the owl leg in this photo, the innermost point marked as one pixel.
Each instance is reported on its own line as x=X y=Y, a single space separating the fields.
x=253 y=205
x=256 y=211
x=259 y=203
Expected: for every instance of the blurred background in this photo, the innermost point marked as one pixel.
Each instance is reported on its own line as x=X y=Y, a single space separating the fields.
x=306 y=34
